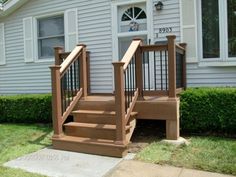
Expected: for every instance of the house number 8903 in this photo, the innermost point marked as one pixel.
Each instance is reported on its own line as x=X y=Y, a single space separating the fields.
x=165 y=30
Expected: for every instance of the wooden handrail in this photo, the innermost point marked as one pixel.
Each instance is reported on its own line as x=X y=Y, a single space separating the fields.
x=179 y=47
x=147 y=48
x=130 y=53
x=64 y=101
x=70 y=59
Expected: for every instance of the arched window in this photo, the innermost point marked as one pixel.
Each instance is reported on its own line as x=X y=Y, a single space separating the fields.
x=133 y=19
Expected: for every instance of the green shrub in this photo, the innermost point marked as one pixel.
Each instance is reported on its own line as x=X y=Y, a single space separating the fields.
x=208 y=110
x=25 y=108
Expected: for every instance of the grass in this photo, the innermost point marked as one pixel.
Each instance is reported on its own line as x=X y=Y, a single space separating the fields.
x=204 y=153
x=18 y=140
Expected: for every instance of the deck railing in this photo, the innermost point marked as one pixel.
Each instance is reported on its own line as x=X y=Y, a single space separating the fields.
x=163 y=68
x=69 y=83
x=147 y=70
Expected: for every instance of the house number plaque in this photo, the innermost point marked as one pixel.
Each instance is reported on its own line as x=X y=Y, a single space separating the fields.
x=165 y=30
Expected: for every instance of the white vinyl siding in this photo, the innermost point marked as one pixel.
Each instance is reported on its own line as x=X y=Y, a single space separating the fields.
x=2 y=45
x=71 y=29
x=28 y=39
x=93 y=29
x=169 y=16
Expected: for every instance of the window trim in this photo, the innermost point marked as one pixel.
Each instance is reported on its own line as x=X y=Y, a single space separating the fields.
x=36 y=38
x=223 y=32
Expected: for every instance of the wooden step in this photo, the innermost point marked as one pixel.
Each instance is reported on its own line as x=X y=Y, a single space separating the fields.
x=94 y=116
x=95 y=131
x=90 y=146
x=102 y=103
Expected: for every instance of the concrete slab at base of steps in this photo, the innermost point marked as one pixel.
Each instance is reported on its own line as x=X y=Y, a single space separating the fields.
x=56 y=163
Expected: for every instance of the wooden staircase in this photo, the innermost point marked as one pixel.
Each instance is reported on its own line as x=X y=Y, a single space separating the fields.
x=104 y=125
x=93 y=129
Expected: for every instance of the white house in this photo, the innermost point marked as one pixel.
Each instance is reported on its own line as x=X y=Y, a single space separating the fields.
x=29 y=29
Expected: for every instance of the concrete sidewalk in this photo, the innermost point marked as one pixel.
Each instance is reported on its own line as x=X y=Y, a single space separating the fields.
x=131 y=168
x=55 y=163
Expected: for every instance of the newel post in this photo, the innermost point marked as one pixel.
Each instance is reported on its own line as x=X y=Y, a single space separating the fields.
x=119 y=102
x=83 y=70
x=56 y=101
x=171 y=66
x=139 y=70
x=57 y=52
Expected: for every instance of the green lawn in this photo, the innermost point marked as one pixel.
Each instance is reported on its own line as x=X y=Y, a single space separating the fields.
x=17 y=140
x=204 y=153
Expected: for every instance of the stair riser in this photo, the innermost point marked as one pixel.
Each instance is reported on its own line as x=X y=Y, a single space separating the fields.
x=97 y=119
x=99 y=106
x=90 y=132
x=90 y=148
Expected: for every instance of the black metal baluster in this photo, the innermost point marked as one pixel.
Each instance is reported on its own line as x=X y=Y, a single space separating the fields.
x=155 y=74
x=148 y=71
x=128 y=86
x=79 y=75
x=67 y=88
x=75 y=78
x=161 y=70
x=166 y=68
x=126 y=90
x=131 y=87
x=144 y=74
x=133 y=76
x=71 y=82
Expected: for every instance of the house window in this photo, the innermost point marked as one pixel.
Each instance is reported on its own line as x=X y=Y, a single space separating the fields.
x=50 y=34
x=133 y=19
x=218 y=27
x=231 y=9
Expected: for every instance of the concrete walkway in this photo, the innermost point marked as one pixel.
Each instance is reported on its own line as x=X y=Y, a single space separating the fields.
x=131 y=168
x=55 y=163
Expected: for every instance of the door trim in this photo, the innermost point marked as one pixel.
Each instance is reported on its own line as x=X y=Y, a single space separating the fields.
x=114 y=23
x=114 y=10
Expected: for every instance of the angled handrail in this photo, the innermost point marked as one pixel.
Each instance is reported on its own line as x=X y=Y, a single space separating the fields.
x=130 y=53
x=126 y=87
x=69 y=84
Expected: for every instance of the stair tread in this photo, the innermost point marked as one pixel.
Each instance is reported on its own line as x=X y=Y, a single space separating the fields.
x=91 y=141
x=94 y=112
x=99 y=112
x=92 y=125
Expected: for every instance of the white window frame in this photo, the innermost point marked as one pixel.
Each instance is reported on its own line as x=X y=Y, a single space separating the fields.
x=224 y=59
x=35 y=25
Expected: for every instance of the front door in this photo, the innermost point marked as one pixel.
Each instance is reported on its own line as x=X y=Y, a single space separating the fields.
x=132 y=22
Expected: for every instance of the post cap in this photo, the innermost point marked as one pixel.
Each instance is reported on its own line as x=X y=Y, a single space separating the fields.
x=58 y=48
x=83 y=45
x=171 y=36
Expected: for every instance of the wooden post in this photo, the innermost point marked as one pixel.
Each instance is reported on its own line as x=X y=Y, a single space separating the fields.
x=83 y=69
x=184 y=77
x=57 y=52
x=119 y=102
x=56 y=101
x=171 y=66
x=139 y=71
